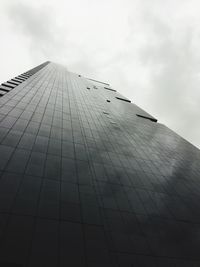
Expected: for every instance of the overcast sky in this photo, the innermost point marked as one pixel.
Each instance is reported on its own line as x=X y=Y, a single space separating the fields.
x=149 y=50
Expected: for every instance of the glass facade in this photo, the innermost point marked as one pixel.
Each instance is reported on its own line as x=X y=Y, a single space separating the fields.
x=89 y=179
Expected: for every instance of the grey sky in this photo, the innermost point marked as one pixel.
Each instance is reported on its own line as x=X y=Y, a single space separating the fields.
x=147 y=50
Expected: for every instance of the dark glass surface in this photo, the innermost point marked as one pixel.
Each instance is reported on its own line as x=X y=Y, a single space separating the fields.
x=86 y=182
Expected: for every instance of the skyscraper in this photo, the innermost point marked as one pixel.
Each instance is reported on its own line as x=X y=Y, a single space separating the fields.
x=88 y=178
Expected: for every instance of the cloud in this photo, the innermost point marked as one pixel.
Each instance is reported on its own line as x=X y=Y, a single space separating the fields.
x=37 y=25
x=173 y=60
x=160 y=67
x=148 y=50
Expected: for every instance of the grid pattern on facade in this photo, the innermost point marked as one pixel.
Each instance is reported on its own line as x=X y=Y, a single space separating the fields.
x=86 y=182
x=11 y=84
